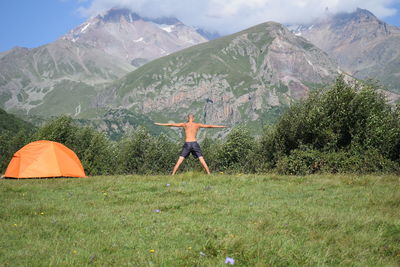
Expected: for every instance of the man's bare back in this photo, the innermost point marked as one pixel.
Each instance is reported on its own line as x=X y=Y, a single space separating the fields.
x=191 y=129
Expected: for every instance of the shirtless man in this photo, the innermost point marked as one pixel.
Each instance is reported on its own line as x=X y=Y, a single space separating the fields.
x=191 y=145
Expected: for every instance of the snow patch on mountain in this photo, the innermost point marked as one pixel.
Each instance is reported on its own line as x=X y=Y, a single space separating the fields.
x=138 y=40
x=85 y=27
x=167 y=28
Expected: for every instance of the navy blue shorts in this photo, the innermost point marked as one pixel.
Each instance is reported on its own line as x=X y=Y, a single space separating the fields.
x=191 y=147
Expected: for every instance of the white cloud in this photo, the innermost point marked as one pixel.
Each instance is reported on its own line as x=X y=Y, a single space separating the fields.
x=227 y=16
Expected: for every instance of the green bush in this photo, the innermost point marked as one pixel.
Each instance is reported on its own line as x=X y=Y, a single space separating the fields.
x=300 y=162
x=97 y=153
x=160 y=156
x=269 y=149
x=131 y=151
x=308 y=161
x=237 y=152
x=339 y=126
x=211 y=151
x=142 y=153
x=10 y=143
x=336 y=118
x=62 y=130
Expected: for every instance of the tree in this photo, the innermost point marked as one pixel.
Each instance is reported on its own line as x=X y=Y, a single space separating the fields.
x=346 y=117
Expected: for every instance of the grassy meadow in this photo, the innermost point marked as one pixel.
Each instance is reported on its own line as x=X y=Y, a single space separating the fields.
x=196 y=220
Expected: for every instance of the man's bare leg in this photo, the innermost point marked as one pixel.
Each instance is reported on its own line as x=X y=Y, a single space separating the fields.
x=203 y=162
x=178 y=163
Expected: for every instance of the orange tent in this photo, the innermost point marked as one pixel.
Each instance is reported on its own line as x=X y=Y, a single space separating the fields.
x=43 y=159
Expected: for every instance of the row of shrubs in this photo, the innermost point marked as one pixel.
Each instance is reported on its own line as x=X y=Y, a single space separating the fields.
x=137 y=153
x=347 y=128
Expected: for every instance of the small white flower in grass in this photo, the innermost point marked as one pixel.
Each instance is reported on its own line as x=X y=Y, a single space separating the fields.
x=157 y=211
x=202 y=254
x=167 y=185
x=230 y=261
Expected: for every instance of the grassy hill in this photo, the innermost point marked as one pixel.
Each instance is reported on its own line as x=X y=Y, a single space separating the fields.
x=11 y=123
x=197 y=220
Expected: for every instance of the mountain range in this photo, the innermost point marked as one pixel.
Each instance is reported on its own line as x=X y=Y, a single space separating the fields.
x=118 y=68
x=234 y=79
x=363 y=45
x=60 y=77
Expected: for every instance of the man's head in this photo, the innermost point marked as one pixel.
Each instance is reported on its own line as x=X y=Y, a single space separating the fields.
x=190 y=117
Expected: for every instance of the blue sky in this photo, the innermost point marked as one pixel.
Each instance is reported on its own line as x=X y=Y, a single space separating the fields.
x=394 y=20
x=31 y=23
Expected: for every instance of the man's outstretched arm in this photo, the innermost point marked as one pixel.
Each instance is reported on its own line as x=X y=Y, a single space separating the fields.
x=170 y=124
x=212 y=126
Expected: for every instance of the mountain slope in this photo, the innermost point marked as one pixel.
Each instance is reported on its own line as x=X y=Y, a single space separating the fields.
x=237 y=78
x=362 y=44
x=54 y=78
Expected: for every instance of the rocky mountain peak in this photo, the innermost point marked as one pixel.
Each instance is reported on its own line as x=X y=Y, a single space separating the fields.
x=359 y=18
x=333 y=31
x=362 y=44
x=278 y=30
x=364 y=13
x=125 y=34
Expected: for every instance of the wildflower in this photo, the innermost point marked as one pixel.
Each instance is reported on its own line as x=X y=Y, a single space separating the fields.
x=229 y=260
x=74 y=251
x=221 y=172
x=167 y=185
x=189 y=248
x=202 y=254
x=152 y=251
x=105 y=193
x=42 y=213
x=15 y=225
x=157 y=211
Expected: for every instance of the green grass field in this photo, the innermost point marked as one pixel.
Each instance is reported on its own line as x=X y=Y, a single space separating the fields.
x=258 y=220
